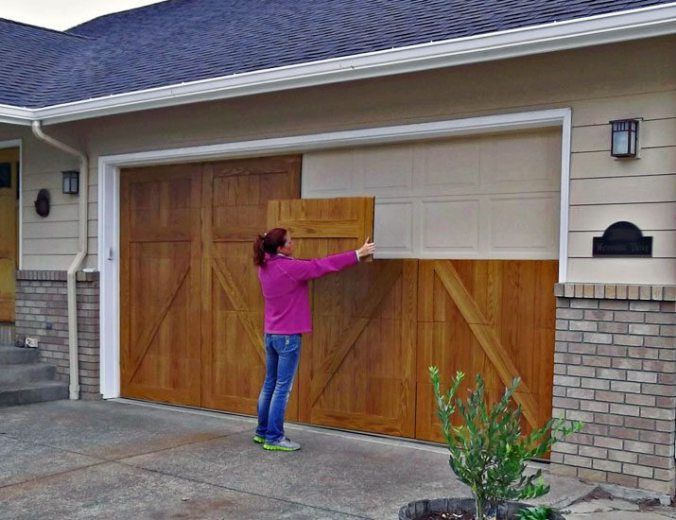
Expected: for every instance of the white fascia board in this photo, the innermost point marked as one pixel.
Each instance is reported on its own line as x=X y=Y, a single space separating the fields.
x=582 y=32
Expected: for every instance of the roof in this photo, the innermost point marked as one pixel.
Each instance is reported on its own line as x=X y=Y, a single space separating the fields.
x=180 y=41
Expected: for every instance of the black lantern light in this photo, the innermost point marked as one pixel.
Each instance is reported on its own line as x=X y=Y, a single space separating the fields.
x=624 y=138
x=71 y=182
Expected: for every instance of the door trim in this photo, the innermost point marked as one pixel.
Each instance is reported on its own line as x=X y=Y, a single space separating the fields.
x=18 y=143
x=109 y=192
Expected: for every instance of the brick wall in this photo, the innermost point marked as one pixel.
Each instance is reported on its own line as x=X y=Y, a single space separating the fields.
x=41 y=311
x=615 y=370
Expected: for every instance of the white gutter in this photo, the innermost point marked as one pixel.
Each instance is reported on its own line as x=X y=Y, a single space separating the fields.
x=16 y=115
x=71 y=280
x=581 y=32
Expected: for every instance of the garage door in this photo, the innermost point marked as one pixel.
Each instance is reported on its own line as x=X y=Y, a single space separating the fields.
x=191 y=305
x=191 y=326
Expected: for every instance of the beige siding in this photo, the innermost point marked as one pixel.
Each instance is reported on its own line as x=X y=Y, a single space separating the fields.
x=653 y=134
x=647 y=216
x=654 y=188
x=653 y=161
x=634 y=79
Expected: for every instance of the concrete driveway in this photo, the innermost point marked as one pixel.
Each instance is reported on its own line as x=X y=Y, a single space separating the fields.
x=120 y=459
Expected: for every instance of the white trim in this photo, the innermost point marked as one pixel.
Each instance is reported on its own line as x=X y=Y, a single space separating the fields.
x=566 y=132
x=16 y=115
x=14 y=143
x=109 y=193
x=571 y=34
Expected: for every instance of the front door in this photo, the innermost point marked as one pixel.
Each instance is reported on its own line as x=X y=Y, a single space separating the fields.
x=9 y=179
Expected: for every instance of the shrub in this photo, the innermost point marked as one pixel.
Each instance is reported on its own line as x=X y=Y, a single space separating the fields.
x=535 y=513
x=488 y=451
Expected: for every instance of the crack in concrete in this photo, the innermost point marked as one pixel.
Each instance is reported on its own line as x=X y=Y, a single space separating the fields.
x=101 y=460
x=51 y=475
x=241 y=491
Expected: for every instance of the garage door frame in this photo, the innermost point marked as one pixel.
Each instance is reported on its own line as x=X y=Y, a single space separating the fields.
x=109 y=193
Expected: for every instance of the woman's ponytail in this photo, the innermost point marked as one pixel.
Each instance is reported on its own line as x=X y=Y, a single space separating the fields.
x=268 y=243
x=259 y=252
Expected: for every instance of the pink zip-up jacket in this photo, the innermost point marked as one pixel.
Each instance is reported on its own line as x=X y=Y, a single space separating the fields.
x=284 y=282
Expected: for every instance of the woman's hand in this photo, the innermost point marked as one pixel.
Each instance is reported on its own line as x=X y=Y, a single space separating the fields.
x=367 y=249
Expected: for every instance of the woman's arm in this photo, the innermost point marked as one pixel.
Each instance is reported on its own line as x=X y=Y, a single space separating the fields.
x=318 y=267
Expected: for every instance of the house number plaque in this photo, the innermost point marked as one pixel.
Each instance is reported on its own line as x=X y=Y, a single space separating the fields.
x=622 y=239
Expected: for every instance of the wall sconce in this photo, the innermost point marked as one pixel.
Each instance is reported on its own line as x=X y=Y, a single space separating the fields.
x=71 y=182
x=624 y=137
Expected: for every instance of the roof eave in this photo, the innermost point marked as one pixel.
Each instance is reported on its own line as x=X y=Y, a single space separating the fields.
x=16 y=115
x=582 y=32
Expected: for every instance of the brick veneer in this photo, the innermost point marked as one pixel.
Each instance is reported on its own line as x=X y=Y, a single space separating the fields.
x=41 y=311
x=615 y=370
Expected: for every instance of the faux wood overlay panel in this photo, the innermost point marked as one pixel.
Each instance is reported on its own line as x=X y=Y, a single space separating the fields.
x=357 y=367
x=494 y=317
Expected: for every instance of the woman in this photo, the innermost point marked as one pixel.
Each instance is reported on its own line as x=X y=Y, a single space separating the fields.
x=284 y=282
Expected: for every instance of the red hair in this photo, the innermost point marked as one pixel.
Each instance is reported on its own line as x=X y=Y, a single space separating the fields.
x=269 y=243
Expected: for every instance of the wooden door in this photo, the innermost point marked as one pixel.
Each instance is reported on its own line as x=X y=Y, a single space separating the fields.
x=160 y=283
x=9 y=171
x=493 y=317
x=357 y=367
x=236 y=195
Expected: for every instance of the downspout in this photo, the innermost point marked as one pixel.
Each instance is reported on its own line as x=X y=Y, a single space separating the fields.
x=71 y=280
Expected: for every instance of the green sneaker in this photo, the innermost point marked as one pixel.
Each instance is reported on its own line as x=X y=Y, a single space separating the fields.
x=283 y=445
x=258 y=439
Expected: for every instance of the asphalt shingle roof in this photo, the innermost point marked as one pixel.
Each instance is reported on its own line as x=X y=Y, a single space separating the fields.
x=185 y=40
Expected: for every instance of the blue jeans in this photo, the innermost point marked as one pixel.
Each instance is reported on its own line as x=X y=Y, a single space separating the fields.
x=282 y=355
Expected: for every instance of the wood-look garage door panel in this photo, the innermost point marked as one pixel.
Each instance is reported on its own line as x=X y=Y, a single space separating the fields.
x=160 y=284
x=372 y=388
x=235 y=195
x=234 y=365
x=241 y=190
x=493 y=317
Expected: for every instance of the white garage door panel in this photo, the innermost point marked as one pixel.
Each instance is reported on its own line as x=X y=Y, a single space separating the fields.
x=328 y=173
x=489 y=196
x=451 y=224
x=523 y=162
x=450 y=168
x=385 y=168
x=525 y=224
x=394 y=227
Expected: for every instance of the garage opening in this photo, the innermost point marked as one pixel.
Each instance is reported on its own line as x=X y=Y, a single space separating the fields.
x=467 y=230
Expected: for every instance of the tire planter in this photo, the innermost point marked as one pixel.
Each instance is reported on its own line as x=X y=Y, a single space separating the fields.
x=506 y=511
